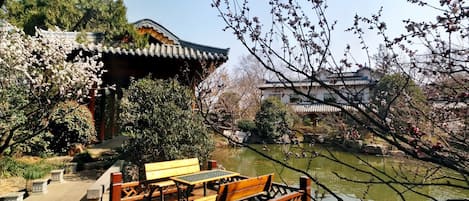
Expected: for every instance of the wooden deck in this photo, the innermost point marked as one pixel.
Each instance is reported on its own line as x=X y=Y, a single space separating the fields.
x=140 y=190
x=196 y=193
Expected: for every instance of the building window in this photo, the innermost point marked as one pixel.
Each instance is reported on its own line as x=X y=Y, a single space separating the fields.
x=295 y=98
x=279 y=96
x=357 y=98
x=329 y=98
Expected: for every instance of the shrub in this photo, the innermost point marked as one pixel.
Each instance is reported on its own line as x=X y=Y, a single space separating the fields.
x=158 y=118
x=34 y=172
x=70 y=123
x=246 y=125
x=10 y=167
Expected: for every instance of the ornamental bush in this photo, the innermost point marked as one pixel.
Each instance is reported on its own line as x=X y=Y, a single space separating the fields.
x=158 y=119
x=71 y=123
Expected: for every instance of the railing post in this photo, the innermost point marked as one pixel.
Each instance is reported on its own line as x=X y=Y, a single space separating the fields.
x=116 y=186
x=212 y=164
x=305 y=185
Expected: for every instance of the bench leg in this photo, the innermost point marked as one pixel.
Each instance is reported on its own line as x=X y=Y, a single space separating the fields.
x=179 y=191
x=161 y=194
x=205 y=188
x=151 y=193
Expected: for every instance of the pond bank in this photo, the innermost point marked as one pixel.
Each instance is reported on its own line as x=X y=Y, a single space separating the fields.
x=353 y=145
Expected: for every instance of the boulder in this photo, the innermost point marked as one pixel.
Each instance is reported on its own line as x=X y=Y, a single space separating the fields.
x=375 y=149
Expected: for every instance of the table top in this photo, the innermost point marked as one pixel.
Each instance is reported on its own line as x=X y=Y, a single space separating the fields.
x=204 y=176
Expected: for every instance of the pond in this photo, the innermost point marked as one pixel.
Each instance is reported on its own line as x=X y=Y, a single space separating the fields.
x=249 y=163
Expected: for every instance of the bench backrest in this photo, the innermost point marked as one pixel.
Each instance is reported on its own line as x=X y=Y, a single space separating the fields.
x=165 y=169
x=245 y=188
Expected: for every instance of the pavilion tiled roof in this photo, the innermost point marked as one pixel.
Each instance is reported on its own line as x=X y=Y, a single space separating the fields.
x=163 y=51
x=180 y=49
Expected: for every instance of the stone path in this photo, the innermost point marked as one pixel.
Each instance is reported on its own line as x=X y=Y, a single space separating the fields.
x=75 y=185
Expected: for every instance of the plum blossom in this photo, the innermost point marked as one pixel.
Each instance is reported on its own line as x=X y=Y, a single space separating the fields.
x=51 y=66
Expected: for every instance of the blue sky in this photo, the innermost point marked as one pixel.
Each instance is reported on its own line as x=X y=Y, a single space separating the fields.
x=198 y=22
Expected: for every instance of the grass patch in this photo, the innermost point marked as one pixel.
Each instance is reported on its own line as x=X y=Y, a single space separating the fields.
x=25 y=167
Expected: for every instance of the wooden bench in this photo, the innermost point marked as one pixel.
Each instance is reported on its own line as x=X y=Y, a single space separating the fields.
x=242 y=189
x=160 y=172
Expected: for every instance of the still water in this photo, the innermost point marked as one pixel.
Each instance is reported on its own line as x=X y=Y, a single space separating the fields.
x=249 y=163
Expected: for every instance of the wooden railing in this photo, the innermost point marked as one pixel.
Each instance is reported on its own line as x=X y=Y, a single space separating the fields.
x=139 y=190
x=294 y=196
x=128 y=191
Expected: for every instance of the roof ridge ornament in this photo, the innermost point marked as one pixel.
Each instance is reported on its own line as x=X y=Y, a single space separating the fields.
x=158 y=28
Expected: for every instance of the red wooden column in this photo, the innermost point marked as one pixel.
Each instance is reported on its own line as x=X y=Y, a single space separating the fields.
x=305 y=185
x=212 y=164
x=102 y=108
x=116 y=186
x=92 y=103
x=113 y=114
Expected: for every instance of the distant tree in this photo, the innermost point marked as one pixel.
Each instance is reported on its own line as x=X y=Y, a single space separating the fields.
x=158 y=118
x=385 y=97
x=208 y=101
x=227 y=107
x=107 y=16
x=246 y=80
x=273 y=120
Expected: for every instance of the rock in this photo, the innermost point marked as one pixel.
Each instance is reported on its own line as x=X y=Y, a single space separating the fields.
x=316 y=138
x=285 y=139
x=375 y=149
x=397 y=153
x=353 y=144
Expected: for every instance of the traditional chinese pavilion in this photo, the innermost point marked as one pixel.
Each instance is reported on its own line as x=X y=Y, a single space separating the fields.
x=167 y=56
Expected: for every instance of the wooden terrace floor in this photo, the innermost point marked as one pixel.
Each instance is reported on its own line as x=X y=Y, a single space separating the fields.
x=196 y=193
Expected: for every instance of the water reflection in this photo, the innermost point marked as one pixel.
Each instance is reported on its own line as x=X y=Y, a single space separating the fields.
x=302 y=157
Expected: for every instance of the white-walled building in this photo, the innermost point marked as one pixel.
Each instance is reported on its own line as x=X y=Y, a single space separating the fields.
x=355 y=85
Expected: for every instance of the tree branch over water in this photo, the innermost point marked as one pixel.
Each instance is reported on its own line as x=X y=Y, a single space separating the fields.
x=419 y=105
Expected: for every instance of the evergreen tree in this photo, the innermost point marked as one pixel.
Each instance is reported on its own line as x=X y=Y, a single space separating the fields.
x=107 y=16
x=158 y=118
x=273 y=120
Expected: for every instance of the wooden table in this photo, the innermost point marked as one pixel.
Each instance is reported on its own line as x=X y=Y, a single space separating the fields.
x=202 y=177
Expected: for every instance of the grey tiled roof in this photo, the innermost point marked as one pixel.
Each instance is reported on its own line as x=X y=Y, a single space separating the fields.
x=163 y=51
x=321 y=108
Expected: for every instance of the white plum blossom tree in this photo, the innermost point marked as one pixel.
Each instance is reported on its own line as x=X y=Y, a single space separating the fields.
x=36 y=73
